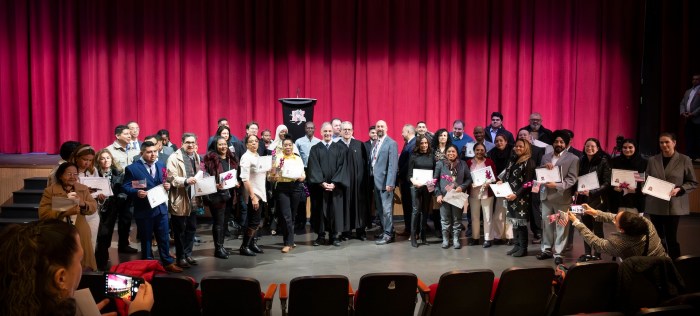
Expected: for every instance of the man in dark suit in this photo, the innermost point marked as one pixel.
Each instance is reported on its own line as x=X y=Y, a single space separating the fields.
x=537 y=131
x=409 y=137
x=384 y=166
x=690 y=111
x=496 y=127
x=134 y=130
x=150 y=220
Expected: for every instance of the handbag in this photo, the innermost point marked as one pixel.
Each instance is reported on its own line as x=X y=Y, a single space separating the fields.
x=218 y=198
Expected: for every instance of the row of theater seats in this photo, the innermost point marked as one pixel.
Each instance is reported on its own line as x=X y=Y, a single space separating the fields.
x=593 y=287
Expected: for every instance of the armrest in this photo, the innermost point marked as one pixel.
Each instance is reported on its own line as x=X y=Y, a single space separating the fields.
x=283 y=298
x=351 y=293
x=270 y=294
x=423 y=289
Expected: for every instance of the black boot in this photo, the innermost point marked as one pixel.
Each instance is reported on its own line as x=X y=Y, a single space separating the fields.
x=516 y=244
x=244 y=250
x=253 y=244
x=521 y=240
x=415 y=218
x=218 y=234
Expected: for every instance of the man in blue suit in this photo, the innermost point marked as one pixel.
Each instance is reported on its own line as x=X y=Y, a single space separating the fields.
x=384 y=166
x=150 y=221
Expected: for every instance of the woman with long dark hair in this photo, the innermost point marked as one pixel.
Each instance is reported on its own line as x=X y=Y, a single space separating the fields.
x=451 y=174
x=108 y=207
x=421 y=158
x=519 y=175
x=219 y=159
x=594 y=160
x=441 y=140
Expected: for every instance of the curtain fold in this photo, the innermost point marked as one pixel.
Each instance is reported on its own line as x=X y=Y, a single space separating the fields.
x=76 y=69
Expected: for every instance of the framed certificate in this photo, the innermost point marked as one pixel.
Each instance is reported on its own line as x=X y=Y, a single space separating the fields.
x=620 y=176
x=588 y=181
x=205 y=186
x=501 y=190
x=157 y=196
x=480 y=176
x=658 y=188
x=98 y=185
x=422 y=175
x=229 y=178
x=546 y=175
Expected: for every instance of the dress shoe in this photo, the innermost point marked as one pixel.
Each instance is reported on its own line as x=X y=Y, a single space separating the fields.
x=336 y=242
x=127 y=249
x=385 y=240
x=172 y=268
x=487 y=244
x=286 y=249
x=221 y=254
x=183 y=264
x=191 y=261
x=558 y=261
x=319 y=241
x=544 y=255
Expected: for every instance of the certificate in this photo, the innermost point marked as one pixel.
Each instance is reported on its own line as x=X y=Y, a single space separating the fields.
x=62 y=204
x=658 y=188
x=157 y=196
x=229 y=179
x=264 y=164
x=588 y=181
x=469 y=150
x=422 y=175
x=480 y=176
x=292 y=171
x=501 y=190
x=620 y=176
x=98 y=184
x=546 y=175
x=205 y=186
x=455 y=198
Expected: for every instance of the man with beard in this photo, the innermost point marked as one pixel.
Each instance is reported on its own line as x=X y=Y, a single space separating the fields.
x=328 y=178
x=409 y=136
x=537 y=131
x=479 y=138
x=422 y=129
x=557 y=196
x=356 y=215
x=384 y=167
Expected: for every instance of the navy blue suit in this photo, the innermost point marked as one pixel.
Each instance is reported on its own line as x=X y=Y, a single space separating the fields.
x=405 y=184
x=149 y=220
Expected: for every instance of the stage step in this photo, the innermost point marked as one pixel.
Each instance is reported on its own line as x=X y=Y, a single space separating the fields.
x=9 y=221
x=36 y=183
x=20 y=211
x=25 y=196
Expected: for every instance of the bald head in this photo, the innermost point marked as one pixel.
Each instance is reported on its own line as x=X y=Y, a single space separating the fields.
x=479 y=134
x=381 y=128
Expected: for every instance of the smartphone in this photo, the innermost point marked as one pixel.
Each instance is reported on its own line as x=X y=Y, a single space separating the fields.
x=122 y=286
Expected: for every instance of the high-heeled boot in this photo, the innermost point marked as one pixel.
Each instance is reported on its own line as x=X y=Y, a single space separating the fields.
x=244 y=250
x=253 y=244
x=414 y=229
x=219 y=251
x=516 y=243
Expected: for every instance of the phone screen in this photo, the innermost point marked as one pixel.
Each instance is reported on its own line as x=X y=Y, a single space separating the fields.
x=122 y=286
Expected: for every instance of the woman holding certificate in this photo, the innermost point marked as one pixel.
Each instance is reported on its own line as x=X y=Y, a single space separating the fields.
x=421 y=159
x=253 y=178
x=519 y=175
x=480 y=197
x=500 y=155
x=452 y=174
x=677 y=169
x=441 y=140
x=108 y=207
x=628 y=196
x=288 y=175
x=83 y=157
x=594 y=160
x=219 y=159
x=70 y=201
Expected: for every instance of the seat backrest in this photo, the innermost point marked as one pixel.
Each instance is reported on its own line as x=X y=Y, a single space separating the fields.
x=218 y=298
x=678 y=310
x=688 y=267
x=386 y=294
x=588 y=287
x=523 y=291
x=463 y=292
x=319 y=295
x=174 y=295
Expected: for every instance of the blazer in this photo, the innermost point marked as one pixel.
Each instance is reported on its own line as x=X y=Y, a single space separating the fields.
x=404 y=157
x=139 y=171
x=387 y=164
x=680 y=172
x=569 y=172
x=694 y=105
x=501 y=130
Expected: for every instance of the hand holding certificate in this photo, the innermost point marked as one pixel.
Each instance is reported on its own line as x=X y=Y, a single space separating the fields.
x=229 y=179
x=205 y=186
x=658 y=188
x=157 y=196
x=292 y=171
x=620 y=176
x=501 y=190
x=264 y=164
x=455 y=198
x=98 y=185
x=62 y=204
x=547 y=175
x=588 y=182
x=481 y=176
x=422 y=175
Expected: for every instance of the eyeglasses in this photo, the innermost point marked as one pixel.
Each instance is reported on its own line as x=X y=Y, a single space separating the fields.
x=190 y=143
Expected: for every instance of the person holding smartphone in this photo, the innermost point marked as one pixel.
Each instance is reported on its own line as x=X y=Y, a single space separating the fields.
x=40 y=269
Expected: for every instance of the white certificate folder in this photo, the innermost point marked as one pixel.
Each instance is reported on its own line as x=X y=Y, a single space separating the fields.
x=658 y=188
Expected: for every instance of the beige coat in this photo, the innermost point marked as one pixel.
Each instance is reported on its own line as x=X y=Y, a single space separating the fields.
x=179 y=198
x=45 y=212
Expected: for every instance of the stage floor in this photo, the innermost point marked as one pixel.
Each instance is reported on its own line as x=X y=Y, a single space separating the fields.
x=356 y=258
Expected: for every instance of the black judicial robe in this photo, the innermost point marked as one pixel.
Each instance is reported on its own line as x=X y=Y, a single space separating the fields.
x=327 y=165
x=357 y=193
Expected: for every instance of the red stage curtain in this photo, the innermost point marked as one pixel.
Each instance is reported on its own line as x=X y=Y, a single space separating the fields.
x=76 y=69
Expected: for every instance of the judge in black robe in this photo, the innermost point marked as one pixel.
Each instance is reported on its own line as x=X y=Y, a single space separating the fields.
x=326 y=165
x=356 y=215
